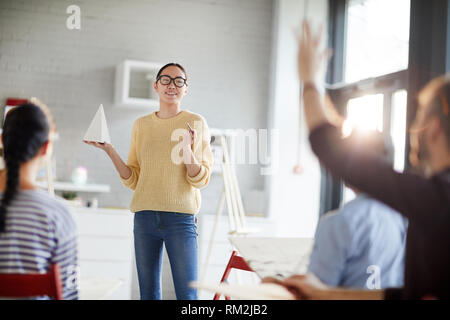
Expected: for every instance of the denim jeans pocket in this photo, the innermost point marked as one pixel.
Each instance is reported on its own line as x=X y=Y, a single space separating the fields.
x=189 y=218
x=180 y=214
x=178 y=221
x=145 y=221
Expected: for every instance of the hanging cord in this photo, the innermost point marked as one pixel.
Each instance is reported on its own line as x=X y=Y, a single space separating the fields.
x=298 y=168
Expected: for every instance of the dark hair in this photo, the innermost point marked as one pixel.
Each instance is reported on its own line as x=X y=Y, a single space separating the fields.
x=25 y=130
x=435 y=97
x=441 y=110
x=170 y=65
x=374 y=142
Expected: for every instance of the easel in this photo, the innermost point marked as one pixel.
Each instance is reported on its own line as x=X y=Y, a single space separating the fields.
x=298 y=168
x=231 y=194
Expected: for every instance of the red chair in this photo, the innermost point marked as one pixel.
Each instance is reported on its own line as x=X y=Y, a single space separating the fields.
x=235 y=262
x=31 y=285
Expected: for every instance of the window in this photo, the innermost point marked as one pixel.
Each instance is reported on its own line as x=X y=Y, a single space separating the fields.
x=364 y=113
x=398 y=128
x=367 y=113
x=377 y=38
x=369 y=75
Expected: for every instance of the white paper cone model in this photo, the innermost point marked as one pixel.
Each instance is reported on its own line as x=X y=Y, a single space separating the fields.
x=98 y=129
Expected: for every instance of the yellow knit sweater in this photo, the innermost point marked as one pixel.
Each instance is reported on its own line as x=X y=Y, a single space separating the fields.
x=159 y=177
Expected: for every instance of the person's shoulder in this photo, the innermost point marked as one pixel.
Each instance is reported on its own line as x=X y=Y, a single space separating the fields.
x=358 y=204
x=140 y=120
x=330 y=218
x=373 y=205
x=330 y=215
x=334 y=225
x=41 y=200
x=349 y=213
x=365 y=211
x=55 y=202
x=194 y=116
x=63 y=215
x=383 y=213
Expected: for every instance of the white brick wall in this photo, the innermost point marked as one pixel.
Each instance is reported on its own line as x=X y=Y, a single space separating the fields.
x=223 y=44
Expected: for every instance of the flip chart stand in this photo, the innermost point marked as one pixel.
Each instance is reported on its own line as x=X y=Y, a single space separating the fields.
x=232 y=196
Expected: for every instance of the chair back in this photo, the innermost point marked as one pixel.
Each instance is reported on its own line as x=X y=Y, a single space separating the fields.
x=32 y=284
x=235 y=262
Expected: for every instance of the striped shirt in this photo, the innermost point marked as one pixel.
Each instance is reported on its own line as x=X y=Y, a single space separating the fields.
x=40 y=231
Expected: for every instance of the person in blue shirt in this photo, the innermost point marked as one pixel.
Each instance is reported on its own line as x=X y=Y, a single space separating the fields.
x=361 y=245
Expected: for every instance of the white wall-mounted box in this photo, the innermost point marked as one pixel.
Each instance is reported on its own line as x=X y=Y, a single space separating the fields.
x=123 y=83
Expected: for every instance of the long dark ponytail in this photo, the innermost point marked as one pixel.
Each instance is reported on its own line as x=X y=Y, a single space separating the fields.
x=25 y=131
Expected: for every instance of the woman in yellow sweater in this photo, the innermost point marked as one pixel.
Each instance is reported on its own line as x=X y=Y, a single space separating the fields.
x=169 y=161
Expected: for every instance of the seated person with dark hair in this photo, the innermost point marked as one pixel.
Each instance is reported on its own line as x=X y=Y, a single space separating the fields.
x=36 y=229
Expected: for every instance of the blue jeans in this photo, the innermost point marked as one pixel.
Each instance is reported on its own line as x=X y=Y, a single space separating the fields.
x=178 y=231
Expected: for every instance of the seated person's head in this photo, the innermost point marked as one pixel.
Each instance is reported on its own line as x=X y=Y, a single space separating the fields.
x=27 y=141
x=28 y=132
x=430 y=132
x=373 y=142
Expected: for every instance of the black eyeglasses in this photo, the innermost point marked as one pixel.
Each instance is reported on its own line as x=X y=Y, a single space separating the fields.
x=177 y=81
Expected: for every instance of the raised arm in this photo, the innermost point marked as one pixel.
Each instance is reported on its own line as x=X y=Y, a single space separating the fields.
x=311 y=62
x=412 y=195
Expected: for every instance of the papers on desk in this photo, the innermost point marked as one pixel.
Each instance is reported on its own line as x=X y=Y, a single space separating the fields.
x=275 y=257
x=261 y=291
x=268 y=257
